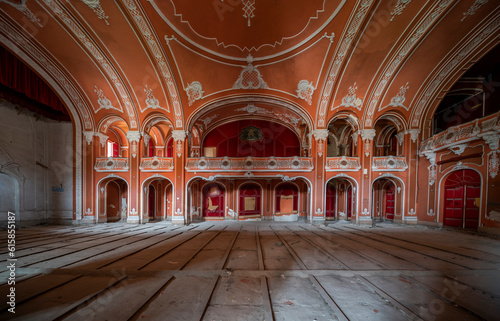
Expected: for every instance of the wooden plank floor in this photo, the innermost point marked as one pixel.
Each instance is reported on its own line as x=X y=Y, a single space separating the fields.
x=251 y=271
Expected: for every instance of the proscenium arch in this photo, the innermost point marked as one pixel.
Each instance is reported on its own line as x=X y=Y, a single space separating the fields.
x=446 y=173
x=76 y=121
x=242 y=101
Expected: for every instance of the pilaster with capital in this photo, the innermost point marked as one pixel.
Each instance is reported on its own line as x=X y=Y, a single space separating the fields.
x=88 y=159
x=135 y=214
x=180 y=147
x=366 y=156
x=318 y=191
x=411 y=152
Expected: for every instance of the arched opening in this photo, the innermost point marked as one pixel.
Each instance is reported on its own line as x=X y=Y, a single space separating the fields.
x=340 y=141
x=250 y=197
x=339 y=199
x=157 y=199
x=286 y=202
x=388 y=195
x=112 y=200
x=462 y=198
x=213 y=201
x=152 y=202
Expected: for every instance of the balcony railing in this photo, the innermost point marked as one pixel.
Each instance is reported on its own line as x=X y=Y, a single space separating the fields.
x=111 y=164
x=254 y=164
x=345 y=164
x=389 y=163
x=157 y=164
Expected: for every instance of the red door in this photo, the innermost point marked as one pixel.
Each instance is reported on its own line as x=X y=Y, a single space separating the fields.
x=331 y=198
x=462 y=194
x=389 y=203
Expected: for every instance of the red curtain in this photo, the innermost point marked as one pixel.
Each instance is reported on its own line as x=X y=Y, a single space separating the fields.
x=15 y=75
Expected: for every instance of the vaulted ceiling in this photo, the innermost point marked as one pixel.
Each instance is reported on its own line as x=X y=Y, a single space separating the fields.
x=300 y=62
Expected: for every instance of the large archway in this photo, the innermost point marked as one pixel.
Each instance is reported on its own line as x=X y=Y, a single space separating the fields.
x=388 y=196
x=113 y=199
x=462 y=193
x=250 y=199
x=340 y=199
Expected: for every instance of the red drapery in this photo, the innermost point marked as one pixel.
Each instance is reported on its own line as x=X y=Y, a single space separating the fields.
x=15 y=75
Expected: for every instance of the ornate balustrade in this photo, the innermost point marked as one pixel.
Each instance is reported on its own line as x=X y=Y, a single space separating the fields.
x=389 y=163
x=254 y=164
x=157 y=164
x=342 y=164
x=457 y=137
x=111 y=164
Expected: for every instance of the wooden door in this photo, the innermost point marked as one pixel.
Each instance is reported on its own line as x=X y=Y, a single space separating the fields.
x=462 y=192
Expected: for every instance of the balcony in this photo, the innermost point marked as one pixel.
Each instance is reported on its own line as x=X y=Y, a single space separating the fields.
x=111 y=164
x=344 y=164
x=389 y=163
x=157 y=164
x=254 y=164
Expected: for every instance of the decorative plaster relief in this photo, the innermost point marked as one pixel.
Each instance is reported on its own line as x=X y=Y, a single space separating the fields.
x=492 y=140
x=248 y=8
x=350 y=100
x=458 y=149
x=399 y=99
x=493 y=164
x=194 y=92
x=21 y=6
x=151 y=101
x=473 y=8
x=96 y=6
x=305 y=91
x=431 y=212
x=250 y=77
x=432 y=174
x=400 y=6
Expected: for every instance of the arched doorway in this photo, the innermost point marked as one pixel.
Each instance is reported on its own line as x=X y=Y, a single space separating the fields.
x=112 y=200
x=339 y=199
x=388 y=196
x=213 y=201
x=462 y=193
x=286 y=202
x=250 y=195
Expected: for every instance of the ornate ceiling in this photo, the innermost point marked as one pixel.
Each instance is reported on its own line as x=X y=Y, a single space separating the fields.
x=193 y=60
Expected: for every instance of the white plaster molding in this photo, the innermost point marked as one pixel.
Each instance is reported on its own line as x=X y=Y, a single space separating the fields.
x=89 y=137
x=367 y=134
x=412 y=212
x=493 y=164
x=399 y=99
x=151 y=101
x=245 y=81
x=400 y=6
x=133 y=136
x=320 y=134
x=413 y=134
x=432 y=174
x=350 y=100
x=431 y=212
x=473 y=8
x=102 y=138
x=492 y=139
x=179 y=135
x=365 y=212
x=305 y=90
x=194 y=92
x=400 y=137
x=104 y=103
x=458 y=149
x=96 y=6
x=22 y=7
x=493 y=215
x=248 y=9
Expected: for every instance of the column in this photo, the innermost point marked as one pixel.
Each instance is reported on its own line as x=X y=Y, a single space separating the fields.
x=89 y=205
x=410 y=215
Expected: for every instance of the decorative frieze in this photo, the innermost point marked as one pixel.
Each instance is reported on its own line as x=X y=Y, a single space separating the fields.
x=389 y=163
x=349 y=164
x=254 y=164
x=157 y=164
x=112 y=164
